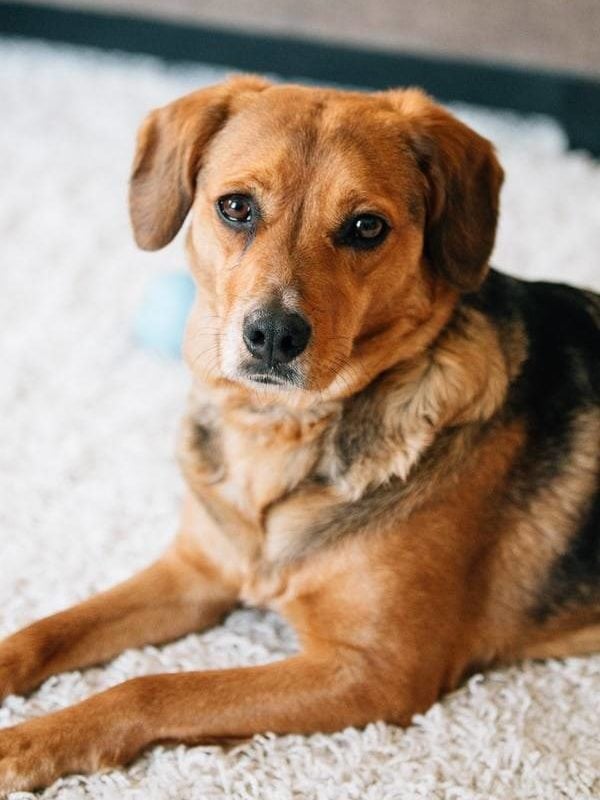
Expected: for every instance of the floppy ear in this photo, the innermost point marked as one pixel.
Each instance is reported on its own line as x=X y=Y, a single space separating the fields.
x=170 y=145
x=463 y=179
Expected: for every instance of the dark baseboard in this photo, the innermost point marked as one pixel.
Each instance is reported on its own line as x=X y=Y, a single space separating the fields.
x=573 y=100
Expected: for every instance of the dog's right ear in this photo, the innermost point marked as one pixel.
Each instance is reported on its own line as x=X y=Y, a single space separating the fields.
x=170 y=145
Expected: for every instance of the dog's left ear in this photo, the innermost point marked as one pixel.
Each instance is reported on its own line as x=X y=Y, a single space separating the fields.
x=462 y=187
x=170 y=147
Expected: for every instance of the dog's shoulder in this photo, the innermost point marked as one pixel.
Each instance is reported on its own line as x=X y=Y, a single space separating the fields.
x=561 y=325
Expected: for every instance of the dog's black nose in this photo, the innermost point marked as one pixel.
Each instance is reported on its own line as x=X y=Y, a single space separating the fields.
x=275 y=336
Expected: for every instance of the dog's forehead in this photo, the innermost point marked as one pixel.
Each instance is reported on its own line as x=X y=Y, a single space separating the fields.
x=285 y=131
x=308 y=115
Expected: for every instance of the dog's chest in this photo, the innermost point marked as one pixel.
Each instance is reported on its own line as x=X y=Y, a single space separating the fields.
x=266 y=473
x=262 y=467
x=244 y=463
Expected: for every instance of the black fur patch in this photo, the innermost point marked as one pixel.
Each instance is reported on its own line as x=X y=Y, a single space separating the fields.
x=559 y=381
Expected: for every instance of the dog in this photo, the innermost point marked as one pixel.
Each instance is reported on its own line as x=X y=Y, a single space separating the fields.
x=387 y=441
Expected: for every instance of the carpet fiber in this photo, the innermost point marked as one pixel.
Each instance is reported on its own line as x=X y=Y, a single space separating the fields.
x=89 y=488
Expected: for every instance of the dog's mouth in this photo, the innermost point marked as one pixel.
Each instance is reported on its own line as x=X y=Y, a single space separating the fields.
x=279 y=375
x=267 y=380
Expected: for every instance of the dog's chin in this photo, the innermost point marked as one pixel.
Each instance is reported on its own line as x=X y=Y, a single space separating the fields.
x=281 y=378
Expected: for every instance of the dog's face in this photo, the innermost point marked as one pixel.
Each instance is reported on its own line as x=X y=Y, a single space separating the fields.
x=331 y=231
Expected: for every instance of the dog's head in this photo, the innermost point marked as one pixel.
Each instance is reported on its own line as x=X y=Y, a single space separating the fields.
x=331 y=231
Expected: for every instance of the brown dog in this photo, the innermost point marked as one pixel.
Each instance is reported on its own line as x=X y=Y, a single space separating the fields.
x=390 y=444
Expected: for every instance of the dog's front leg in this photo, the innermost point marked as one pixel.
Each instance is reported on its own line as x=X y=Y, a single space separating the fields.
x=301 y=694
x=172 y=597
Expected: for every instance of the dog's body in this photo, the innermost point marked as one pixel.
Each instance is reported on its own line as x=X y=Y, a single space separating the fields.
x=407 y=466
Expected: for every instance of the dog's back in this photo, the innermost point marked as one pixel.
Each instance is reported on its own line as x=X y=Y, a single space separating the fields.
x=557 y=394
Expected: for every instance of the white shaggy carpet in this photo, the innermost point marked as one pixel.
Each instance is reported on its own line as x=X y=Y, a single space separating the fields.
x=89 y=488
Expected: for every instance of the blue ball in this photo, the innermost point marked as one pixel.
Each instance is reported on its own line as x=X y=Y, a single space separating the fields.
x=161 y=319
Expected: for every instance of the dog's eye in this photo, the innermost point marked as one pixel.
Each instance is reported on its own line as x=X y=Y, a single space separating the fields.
x=236 y=208
x=363 y=231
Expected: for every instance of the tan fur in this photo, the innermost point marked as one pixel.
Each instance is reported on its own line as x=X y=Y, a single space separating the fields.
x=370 y=504
x=539 y=535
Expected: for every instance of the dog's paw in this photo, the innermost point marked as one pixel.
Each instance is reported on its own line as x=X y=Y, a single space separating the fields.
x=18 y=670
x=36 y=753
x=25 y=763
x=23 y=658
x=84 y=738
